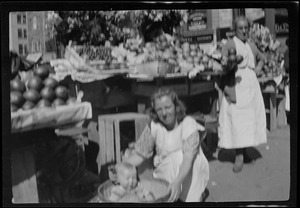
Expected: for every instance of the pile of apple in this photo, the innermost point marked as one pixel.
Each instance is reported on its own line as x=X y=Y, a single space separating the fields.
x=272 y=64
x=95 y=52
x=39 y=91
x=191 y=56
x=230 y=63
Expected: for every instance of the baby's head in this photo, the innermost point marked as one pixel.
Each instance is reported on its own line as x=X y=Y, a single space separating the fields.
x=126 y=175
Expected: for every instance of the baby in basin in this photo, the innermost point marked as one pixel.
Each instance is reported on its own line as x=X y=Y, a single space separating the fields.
x=128 y=187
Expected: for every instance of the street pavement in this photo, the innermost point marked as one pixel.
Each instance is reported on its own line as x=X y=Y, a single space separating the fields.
x=268 y=180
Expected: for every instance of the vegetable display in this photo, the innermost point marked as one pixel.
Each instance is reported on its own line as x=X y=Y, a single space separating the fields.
x=39 y=91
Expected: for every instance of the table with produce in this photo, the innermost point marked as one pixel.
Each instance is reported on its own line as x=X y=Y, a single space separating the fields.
x=185 y=66
x=273 y=77
x=40 y=105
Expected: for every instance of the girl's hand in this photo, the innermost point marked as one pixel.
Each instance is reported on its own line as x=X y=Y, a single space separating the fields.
x=175 y=191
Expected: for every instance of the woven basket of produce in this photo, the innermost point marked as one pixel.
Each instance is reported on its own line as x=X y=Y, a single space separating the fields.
x=157 y=186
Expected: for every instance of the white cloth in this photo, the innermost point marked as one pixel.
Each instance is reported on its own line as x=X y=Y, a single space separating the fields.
x=244 y=50
x=278 y=79
x=169 y=157
x=287 y=97
x=243 y=124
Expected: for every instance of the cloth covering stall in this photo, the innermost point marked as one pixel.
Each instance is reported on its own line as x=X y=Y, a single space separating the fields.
x=30 y=127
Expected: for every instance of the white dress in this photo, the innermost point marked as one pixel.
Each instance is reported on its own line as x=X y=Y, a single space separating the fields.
x=243 y=124
x=169 y=148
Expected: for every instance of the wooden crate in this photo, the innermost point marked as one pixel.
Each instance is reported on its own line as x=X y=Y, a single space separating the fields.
x=109 y=135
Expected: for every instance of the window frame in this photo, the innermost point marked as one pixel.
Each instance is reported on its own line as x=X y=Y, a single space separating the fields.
x=19 y=19
x=33 y=46
x=24 y=33
x=20 y=33
x=25 y=49
x=21 y=50
x=24 y=18
x=34 y=23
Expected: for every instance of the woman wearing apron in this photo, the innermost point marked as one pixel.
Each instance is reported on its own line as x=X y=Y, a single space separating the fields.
x=242 y=119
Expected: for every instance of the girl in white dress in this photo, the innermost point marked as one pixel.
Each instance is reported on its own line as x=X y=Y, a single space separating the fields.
x=174 y=138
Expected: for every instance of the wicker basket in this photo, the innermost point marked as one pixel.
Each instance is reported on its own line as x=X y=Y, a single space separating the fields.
x=156 y=186
x=155 y=68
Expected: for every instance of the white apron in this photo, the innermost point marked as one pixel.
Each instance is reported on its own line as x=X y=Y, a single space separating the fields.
x=243 y=124
x=169 y=157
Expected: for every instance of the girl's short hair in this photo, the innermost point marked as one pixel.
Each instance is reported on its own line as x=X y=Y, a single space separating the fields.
x=179 y=105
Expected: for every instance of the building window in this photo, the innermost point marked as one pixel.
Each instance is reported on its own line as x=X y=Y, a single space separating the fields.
x=25 y=49
x=32 y=47
x=34 y=26
x=24 y=19
x=19 y=33
x=38 y=46
x=19 y=17
x=36 y=49
x=25 y=33
x=20 y=49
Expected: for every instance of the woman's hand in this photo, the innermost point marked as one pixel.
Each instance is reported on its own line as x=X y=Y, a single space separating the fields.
x=175 y=191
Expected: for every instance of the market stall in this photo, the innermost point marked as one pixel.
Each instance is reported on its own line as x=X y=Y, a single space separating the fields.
x=137 y=61
x=42 y=111
x=273 y=76
x=186 y=88
x=34 y=125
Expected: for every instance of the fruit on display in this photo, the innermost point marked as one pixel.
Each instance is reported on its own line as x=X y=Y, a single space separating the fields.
x=58 y=102
x=272 y=64
x=44 y=103
x=62 y=93
x=183 y=55
x=230 y=63
x=51 y=82
x=32 y=96
x=40 y=91
x=16 y=98
x=231 y=51
x=17 y=85
x=41 y=71
x=191 y=57
x=232 y=58
x=28 y=105
x=47 y=93
x=35 y=83
x=94 y=52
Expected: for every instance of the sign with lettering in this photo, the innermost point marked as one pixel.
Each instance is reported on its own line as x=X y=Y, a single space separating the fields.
x=197 y=20
x=224 y=33
x=208 y=38
x=281 y=26
x=281 y=22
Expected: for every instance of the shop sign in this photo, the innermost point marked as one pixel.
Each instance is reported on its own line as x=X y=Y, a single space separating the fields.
x=197 y=20
x=281 y=26
x=224 y=33
x=199 y=38
x=281 y=22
